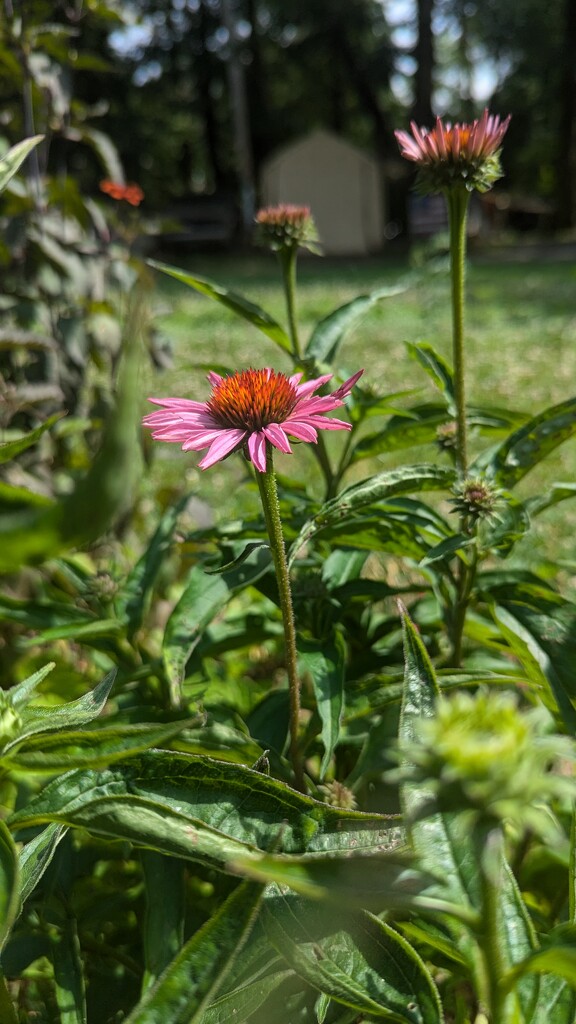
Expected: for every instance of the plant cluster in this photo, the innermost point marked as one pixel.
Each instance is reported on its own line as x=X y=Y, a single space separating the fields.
x=314 y=764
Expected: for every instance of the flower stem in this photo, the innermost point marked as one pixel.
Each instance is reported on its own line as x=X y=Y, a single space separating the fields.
x=271 y=507
x=457 y=200
x=497 y=1002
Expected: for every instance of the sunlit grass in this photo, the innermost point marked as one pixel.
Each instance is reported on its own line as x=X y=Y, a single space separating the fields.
x=521 y=352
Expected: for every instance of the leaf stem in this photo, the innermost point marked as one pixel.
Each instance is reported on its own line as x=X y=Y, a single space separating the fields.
x=269 y=497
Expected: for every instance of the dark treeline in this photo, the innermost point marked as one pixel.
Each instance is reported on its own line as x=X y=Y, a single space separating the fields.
x=194 y=94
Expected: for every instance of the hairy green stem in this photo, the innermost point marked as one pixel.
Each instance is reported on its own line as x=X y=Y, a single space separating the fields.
x=271 y=508
x=457 y=199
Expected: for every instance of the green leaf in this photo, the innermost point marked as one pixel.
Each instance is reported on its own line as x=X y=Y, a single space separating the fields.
x=204 y=596
x=163 y=930
x=15 y=157
x=64 y=716
x=384 y=881
x=329 y=332
x=556 y=493
x=531 y=443
x=377 y=488
x=416 y=426
x=89 y=748
x=356 y=959
x=239 y=305
x=447 y=549
x=201 y=809
x=251 y=981
x=545 y=646
x=68 y=973
x=132 y=600
x=436 y=367
x=10 y=449
x=9 y=883
x=191 y=981
x=323 y=661
x=35 y=857
x=21 y=693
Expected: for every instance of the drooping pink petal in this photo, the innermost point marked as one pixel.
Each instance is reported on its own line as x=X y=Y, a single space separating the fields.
x=257 y=450
x=302 y=430
x=225 y=443
x=312 y=385
x=277 y=436
x=199 y=439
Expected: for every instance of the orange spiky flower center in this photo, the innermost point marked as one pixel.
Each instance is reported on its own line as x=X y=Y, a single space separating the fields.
x=252 y=399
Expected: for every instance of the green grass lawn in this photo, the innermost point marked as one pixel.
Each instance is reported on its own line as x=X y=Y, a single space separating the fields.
x=521 y=347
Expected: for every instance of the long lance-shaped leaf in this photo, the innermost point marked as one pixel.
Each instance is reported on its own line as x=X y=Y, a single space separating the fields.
x=406 y=480
x=36 y=856
x=254 y=314
x=356 y=959
x=323 y=661
x=526 y=447
x=15 y=157
x=64 y=716
x=203 y=597
x=441 y=841
x=88 y=748
x=329 y=333
x=193 y=978
x=383 y=881
x=201 y=809
x=10 y=449
x=436 y=367
x=131 y=601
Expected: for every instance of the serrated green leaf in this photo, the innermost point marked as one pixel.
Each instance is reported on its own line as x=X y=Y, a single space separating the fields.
x=377 y=488
x=237 y=303
x=323 y=661
x=330 y=332
x=531 y=443
x=417 y=426
x=15 y=157
x=201 y=809
x=356 y=959
x=193 y=978
x=65 y=716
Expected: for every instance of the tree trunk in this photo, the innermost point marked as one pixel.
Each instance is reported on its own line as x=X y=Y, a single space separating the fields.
x=566 y=172
x=424 y=55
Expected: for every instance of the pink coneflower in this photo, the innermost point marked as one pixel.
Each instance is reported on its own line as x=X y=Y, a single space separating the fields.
x=245 y=411
x=463 y=152
x=287 y=226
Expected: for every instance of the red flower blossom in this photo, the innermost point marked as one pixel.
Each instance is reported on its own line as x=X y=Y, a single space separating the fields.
x=132 y=194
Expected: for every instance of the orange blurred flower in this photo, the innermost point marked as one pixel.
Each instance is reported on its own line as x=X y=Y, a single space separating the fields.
x=132 y=194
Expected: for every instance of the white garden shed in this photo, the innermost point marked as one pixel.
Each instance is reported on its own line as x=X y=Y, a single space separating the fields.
x=341 y=184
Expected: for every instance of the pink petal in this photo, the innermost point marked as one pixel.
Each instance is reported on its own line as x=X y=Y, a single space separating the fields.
x=221 y=447
x=277 y=436
x=312 y=385
x=214 y=378
x=301 y=430
x=180 y=404
x=198 y=439
x=323 y=423
x=257 y=450
x=347 y=386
